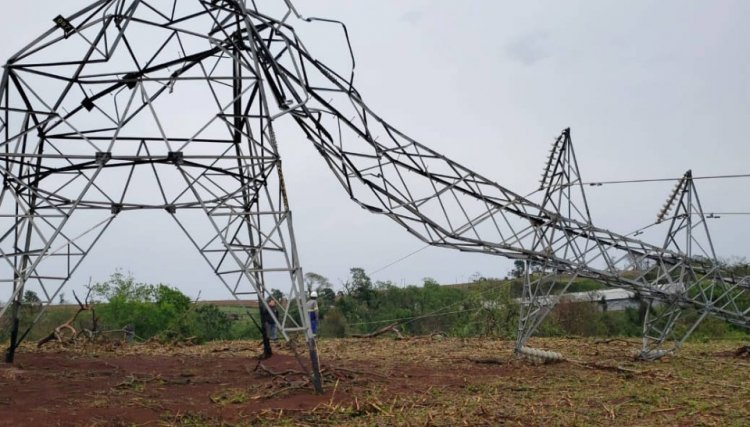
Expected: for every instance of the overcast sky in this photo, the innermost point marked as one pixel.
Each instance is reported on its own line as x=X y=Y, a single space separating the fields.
x=650 y=89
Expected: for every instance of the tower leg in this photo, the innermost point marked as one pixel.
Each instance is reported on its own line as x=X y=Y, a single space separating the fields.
x=252 y=250
x=688 y=234
x=10 y=352
x=54 y=260
x=317 y=381
x=659 y=337
x=537 y=301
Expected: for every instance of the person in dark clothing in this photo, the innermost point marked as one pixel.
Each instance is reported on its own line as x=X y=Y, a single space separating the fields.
x=267 y=320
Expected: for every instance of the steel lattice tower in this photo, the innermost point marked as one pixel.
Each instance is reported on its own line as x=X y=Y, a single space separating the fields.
x=97 y=120
x=562 y=191
x=688 y=233
x=86 y=138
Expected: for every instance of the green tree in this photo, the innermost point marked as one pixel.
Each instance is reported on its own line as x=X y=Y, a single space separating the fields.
x=31 y=298
x=316 y=282
x=519 y=266
x=31 y=304
x=326 y=297
x=124 y=287
x=150 y=309
x=277 y=294
x=210 y=323
x=170 y=299
x=359 y=285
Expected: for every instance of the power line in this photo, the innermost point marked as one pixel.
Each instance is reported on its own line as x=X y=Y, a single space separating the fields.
x=371 y=273
x=413 y=318
x=707 y=215
x=437 y=312
x=398 y=260
x=724 y=213
x=638 y=181
x=711 y=215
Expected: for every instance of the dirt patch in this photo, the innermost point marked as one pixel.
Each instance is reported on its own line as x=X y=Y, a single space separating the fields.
x=372 y=382
x=59 y=389
x=213 y=383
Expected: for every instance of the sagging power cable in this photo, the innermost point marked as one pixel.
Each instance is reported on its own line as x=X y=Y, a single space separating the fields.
x=639 y=181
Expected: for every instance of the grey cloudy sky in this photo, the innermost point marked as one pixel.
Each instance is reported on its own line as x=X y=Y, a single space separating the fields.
x=649 y=89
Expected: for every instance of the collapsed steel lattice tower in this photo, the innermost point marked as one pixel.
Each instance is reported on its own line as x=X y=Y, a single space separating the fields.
x=93 y=125
x=544 y=285
x=688 y=233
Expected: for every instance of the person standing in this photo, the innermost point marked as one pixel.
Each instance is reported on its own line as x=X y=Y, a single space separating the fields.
x=268 y=322
x=271 y=324
x=312 y=309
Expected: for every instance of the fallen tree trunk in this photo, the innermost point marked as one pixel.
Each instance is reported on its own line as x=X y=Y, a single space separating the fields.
x=390 y=328
x=57 y=333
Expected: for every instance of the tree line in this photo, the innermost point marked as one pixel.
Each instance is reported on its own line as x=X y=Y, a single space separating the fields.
x=484 y=307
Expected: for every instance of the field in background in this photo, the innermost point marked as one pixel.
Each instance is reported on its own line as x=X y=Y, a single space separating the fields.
x=417 y=381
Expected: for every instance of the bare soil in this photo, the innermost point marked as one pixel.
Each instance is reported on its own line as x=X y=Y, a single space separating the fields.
x=424 y=381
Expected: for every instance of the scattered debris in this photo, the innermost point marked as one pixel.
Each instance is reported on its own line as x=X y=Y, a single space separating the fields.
x=58 y=332
x=743 y=351
x=486 y=360
x=390 y=328
x=375 y=382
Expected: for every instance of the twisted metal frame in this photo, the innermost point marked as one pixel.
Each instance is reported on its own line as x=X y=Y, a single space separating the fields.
x=688 y=233
x=87 y=138
x=563 y=192
x=79 y=134
x=544 y=286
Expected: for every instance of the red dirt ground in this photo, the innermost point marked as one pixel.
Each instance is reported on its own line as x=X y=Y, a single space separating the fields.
x=58 y=389
x=105 y=388
x=418 y=381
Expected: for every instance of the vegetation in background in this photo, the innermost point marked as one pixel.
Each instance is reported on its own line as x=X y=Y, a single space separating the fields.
x=157 y=310
x=484 y=307
x=488 y=307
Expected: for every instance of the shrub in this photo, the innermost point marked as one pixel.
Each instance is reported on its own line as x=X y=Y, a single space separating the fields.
x=578 y=318
x=333 y=324
x=158 y=310
x=210 y=323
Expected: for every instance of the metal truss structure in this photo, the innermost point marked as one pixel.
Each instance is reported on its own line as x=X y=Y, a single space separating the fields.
x=93 y=126
x=106 y=113
x=544 y=287
x=688 y=233
x=563 y=192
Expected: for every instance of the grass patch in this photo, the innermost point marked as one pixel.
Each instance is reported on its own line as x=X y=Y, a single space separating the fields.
x=229 y=397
